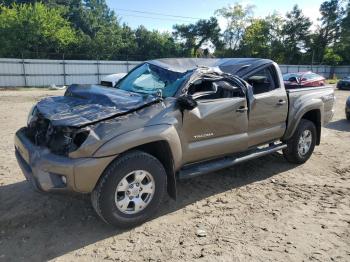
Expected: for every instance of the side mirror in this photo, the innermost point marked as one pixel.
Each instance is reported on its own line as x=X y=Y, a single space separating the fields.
x=186 y=102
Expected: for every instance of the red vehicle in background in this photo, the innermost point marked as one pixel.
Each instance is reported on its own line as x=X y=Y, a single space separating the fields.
x=303 y=79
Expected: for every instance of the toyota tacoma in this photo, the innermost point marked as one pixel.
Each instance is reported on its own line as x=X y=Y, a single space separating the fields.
x=167 y=119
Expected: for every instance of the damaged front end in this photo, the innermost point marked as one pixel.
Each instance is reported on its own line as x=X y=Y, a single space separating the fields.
x=60 y=140
x=62 y=124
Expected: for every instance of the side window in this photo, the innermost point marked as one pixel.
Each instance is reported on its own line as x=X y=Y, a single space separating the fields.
x=307 y=77
x=224 y=89
x=263 y=81
x=199 y=86
x=314 y=76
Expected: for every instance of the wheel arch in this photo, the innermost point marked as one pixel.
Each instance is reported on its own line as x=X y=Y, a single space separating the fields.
x=312 y=112
x=161 y=141
x=161 y=150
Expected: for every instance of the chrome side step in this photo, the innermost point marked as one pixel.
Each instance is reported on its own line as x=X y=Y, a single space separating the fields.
x=197 y=169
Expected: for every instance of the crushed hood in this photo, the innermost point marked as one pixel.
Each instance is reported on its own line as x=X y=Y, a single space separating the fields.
x=82 y=105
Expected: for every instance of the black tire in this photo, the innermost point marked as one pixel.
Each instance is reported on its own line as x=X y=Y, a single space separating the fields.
x=103 y=196
x=347 y=116
x=291 y=152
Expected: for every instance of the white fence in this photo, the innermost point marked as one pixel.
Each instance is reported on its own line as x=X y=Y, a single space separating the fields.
x=324 y=70
x=40 y=72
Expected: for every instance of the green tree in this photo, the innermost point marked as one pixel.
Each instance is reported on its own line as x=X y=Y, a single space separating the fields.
x=153 y=44
x=331 y=57
x=49 y=3
x=256 y=41
x=85 y=15
x=95 y=24
x=263 y=38
x=328 y=33
x=296 y=35
x=34 y=28
x=275 y=37
x=94 y=15
x=345 y=36
x=198 y=34
x=237 y=19
x=90 y=28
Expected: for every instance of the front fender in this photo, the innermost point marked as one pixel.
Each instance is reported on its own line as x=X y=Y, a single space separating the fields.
x=142 y=136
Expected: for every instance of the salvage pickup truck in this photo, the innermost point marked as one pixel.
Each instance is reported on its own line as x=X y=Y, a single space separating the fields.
x=167 y=119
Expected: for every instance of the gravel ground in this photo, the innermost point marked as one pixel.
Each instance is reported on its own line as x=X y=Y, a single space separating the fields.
x=263 y=210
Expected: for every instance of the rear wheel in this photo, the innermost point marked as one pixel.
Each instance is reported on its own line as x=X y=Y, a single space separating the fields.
x=302 y=144
x=130 y=190
x=347 y=115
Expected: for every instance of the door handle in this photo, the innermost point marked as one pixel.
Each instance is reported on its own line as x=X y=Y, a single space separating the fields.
x=242 y=109
x=281 y=102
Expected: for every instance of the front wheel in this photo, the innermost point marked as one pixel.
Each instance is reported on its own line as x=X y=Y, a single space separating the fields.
x=302 y=143
x=130 y=190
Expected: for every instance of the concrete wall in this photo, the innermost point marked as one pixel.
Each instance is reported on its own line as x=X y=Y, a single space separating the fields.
x=40 y=72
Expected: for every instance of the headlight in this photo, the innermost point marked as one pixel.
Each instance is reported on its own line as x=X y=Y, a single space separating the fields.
x=64 y=140
x=31 y=115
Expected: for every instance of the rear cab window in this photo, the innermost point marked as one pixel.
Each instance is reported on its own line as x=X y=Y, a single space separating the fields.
x=264 y=80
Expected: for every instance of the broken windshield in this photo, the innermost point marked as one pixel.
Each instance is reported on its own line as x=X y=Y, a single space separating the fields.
x=151 y=79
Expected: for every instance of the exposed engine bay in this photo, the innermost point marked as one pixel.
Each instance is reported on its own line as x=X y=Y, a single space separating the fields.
x=60 y=140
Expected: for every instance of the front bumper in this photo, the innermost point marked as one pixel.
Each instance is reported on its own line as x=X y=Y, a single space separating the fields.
x=49 y=172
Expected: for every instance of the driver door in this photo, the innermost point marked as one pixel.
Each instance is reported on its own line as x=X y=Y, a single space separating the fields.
x=217 y=126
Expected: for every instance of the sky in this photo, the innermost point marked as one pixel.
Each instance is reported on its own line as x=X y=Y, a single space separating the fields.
x=197 y=9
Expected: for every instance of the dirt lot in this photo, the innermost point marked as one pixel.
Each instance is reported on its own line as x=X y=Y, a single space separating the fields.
x=263 y=210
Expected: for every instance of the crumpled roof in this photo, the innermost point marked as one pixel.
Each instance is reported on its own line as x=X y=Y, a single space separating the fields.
x=87 y=104
x=235 y=66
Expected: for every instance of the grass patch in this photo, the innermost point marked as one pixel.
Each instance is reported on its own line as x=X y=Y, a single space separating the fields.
x=331 y=81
